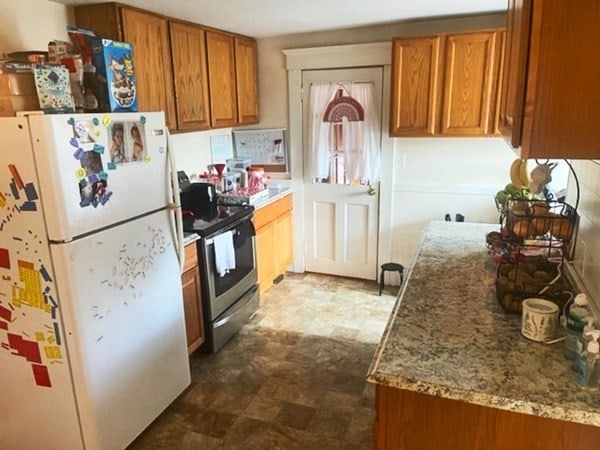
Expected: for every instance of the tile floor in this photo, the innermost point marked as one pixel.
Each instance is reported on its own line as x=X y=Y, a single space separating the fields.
x=292 y=378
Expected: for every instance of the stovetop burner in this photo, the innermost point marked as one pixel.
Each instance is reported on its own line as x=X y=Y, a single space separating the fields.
x=220 y=218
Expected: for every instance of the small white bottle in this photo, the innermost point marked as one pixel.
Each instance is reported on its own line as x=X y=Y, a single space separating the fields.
x=589 y=376
x=582 y=341
x=575 y=323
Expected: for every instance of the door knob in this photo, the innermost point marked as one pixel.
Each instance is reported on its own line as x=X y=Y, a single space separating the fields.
x=371 y=191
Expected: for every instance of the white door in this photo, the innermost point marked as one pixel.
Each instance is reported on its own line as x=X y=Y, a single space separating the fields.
x=341 y=220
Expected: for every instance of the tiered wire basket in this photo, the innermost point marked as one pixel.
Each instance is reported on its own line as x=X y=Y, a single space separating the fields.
x=535 y=239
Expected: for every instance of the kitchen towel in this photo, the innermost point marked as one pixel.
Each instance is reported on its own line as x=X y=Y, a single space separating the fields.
x=224 y=253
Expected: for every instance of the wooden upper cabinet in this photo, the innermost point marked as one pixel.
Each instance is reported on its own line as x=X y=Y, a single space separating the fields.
x=445 y=85
x=518 y=20
x=554 y=48
x=501 y=38
x=149 y=35
x=221 y=77
x=469 y=76
x=246 y=80
x=415 y=86
x=103 y=19
x=188 y=49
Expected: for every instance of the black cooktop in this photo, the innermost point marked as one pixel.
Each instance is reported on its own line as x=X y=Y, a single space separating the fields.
x=220 y=218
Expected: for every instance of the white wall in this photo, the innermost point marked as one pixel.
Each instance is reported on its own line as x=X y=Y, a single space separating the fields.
x=430 y=176
x=192 y=150
x=587 y=251
x=434 y=176
x=30 y=24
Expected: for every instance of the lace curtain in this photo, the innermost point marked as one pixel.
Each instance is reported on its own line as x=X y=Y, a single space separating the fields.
x=362 y=149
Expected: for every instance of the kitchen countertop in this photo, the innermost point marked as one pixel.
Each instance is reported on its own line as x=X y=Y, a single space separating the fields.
x=448 y=336
x=274 y=195
x=188 y=238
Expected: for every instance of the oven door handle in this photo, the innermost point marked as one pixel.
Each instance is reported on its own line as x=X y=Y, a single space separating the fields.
x=235 y=309
x=232 y=226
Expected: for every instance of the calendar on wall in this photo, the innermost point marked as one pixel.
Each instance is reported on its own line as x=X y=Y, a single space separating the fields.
x=266 y=147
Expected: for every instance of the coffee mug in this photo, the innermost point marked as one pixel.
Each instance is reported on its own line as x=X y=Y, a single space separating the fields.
x=539 y=320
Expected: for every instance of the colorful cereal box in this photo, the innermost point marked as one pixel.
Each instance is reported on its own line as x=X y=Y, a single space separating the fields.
x=114 y=66
x=53 y=89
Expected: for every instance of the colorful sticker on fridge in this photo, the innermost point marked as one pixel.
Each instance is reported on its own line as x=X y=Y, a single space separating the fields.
x=27 y=289
x=20 y=197
x=133 y=263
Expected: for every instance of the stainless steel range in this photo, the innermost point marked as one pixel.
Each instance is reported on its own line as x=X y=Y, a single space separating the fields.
x=229 y=297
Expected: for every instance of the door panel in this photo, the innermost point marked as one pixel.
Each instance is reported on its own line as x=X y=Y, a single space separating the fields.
x=323 y=224
x=341 y=222
x=356 y=226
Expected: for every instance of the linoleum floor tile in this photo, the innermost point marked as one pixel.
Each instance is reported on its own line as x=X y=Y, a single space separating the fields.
x=293 y=378
x=295 y=416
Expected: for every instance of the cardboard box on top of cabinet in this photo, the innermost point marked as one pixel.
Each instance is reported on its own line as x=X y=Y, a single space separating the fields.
x=114 y=65
x=17 y=93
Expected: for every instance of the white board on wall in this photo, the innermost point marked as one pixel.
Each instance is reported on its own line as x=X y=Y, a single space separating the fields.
x=266 y=147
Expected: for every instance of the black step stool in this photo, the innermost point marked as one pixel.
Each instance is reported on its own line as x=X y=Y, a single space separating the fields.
x=393 y=267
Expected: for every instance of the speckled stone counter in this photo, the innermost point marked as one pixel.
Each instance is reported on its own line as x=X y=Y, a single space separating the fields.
x=274 y=195
x=449 y=337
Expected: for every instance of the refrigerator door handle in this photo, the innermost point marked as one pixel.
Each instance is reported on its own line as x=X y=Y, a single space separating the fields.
x=176 y=204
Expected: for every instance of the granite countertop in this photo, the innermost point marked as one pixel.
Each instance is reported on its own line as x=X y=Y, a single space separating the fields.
x=448 y=336
x=274 y=195
x=188 y=237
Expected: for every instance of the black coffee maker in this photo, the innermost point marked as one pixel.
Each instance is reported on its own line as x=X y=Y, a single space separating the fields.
x=198 y=200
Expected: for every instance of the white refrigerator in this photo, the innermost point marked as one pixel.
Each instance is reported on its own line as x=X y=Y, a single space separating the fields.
x=92 y=335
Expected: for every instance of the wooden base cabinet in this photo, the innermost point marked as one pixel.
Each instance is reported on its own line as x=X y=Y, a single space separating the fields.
x=274 y=250
x=408 y=420
x=265 y=257
x=192 y=299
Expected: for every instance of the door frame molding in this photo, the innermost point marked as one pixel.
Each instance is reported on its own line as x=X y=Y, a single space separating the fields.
x=338 y=57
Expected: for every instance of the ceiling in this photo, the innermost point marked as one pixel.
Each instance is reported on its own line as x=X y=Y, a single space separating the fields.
x=264 y=18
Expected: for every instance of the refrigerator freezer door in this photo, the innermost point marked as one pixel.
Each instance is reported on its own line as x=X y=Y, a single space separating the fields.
x=96 y=170
x=124 y=326
x=37 y=401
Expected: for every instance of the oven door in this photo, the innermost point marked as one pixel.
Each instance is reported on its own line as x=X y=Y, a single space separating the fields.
x=224 y=291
